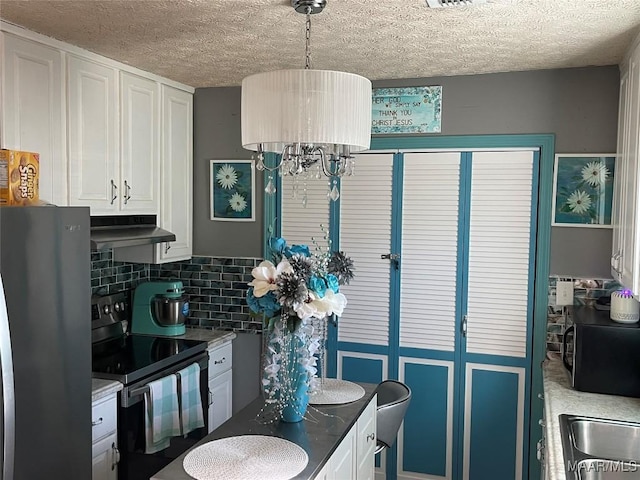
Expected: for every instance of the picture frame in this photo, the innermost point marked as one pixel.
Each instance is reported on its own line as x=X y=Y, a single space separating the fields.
x=232 y=190
x=583 y=189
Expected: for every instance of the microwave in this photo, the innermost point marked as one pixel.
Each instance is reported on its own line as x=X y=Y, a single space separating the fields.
x=602 y=356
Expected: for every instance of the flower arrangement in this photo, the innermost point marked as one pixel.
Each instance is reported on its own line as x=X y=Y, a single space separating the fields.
x=295 y=293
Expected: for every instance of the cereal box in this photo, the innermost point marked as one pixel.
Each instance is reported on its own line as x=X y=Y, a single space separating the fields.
x=19 y=177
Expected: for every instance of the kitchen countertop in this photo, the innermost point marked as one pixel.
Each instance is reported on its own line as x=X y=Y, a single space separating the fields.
x=560 y=398
x=103 y=388
x=214 y=337
x=319 y=434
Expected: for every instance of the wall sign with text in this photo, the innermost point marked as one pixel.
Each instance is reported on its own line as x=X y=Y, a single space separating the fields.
x=406 y=110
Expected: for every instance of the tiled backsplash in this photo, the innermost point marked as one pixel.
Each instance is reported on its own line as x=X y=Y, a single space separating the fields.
x=108 y=276
x=216 y=286
x=585 y=292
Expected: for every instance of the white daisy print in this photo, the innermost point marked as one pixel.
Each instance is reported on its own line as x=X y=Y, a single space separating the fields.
x=237 y=202
x=579 y=202
x=227 y=176
x=595 y=173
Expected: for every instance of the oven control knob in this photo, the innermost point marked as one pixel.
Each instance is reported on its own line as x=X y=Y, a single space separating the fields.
x=116 y=307
x=106 y=309
x=121 y=306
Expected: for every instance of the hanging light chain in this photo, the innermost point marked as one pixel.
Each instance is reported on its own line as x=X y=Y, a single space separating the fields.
x=307 y=46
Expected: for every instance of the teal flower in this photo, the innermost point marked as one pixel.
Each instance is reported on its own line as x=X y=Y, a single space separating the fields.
x=297 y=250
x=332 y=283
x=317 y=285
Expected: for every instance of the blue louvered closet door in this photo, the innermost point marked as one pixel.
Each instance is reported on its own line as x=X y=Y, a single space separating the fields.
x=452 y=316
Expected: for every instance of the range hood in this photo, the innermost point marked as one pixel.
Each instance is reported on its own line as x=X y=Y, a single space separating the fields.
x=127 y=231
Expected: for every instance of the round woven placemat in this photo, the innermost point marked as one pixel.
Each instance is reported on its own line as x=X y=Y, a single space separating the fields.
x=332 y=391
x=248 y=457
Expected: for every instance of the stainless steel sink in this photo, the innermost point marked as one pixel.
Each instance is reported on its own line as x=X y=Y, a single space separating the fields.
x=597 y=469
x=607 y=438
x=600 y=449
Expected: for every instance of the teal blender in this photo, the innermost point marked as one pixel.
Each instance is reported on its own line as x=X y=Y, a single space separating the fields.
x=159 y=308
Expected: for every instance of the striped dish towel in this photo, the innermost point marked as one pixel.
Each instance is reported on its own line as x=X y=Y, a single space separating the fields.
x=191 y=416
x=161 y=420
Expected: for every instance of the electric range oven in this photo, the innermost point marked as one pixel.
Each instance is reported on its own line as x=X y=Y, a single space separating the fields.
x=134 y=361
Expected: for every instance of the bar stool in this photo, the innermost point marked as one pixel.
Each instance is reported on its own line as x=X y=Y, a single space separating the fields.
x=393 y=400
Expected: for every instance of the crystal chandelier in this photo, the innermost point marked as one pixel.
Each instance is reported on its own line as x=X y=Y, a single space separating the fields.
x=314 y=119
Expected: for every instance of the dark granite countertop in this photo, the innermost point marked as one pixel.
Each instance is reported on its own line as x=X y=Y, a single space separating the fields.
x=319 y=433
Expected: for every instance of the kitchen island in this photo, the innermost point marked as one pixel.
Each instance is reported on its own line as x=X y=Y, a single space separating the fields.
x=322 y=430
x=560 y=397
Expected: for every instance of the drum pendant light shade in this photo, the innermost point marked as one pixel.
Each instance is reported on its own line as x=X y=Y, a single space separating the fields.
x=308 y=107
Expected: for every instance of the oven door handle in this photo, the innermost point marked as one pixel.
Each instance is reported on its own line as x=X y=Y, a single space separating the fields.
x=134 y=393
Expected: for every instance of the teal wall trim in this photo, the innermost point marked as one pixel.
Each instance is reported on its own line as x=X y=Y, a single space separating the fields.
x=464 y=213
x=394 y=270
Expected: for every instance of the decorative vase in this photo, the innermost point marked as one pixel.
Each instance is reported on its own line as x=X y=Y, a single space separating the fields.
x=288 y=364
x=296 y=400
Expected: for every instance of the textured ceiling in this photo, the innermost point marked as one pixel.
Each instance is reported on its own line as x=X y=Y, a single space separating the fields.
x=218 y=42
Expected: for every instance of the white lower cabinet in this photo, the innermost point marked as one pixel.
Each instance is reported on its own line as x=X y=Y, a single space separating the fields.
x=342 y=463
x=220 y=385
x=354 y=458
x=104 y=438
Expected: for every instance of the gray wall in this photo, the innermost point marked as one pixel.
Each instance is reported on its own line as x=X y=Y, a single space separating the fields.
x=216 y=136
x=578 y=105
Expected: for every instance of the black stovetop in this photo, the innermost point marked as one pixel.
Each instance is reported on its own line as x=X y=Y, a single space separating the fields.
x=132 y=357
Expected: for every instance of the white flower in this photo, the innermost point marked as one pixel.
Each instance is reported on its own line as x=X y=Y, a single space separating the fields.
x=227 y=176
x=265 y=275
x=595 y=173
x=322 y=307
x=237 y=202
x=579 y=202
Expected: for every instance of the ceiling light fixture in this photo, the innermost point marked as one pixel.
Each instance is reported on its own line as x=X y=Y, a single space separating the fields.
x=315 y=119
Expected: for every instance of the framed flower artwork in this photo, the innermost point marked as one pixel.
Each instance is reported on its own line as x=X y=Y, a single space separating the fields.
x=232 y=190
x=583 y=190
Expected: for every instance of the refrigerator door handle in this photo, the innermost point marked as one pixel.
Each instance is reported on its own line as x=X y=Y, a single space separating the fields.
x=8 y=392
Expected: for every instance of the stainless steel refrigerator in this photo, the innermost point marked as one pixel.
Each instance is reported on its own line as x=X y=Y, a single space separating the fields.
x=45 y=342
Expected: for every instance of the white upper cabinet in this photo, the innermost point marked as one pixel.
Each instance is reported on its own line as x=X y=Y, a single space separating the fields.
x=625 y=256
x=94 y=162
x=33 y=110
x=177 y=177
x=139 y=170
x=113 y=152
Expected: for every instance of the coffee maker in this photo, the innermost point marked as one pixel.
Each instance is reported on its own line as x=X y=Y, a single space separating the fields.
x=159 y=308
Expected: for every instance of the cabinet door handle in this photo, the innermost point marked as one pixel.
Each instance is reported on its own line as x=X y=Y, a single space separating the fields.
x=166 y=247
x=96 y=422
x=127 y=192
x=463 y=326
x=371 y=437
x=210 y=397
x=218 y=362
x=114 y=191
x=116 y=456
